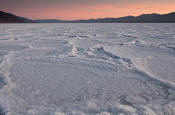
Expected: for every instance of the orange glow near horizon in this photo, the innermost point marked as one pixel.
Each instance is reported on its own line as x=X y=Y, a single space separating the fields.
x=96 y=11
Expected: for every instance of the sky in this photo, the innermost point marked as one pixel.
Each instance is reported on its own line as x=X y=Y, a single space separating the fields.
x=84 y=9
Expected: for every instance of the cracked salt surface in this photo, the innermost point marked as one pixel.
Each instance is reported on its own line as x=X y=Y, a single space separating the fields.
x=96 y=69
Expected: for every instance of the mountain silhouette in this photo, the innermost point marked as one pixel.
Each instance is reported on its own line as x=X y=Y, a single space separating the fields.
x=144 y=18
x=11 y=18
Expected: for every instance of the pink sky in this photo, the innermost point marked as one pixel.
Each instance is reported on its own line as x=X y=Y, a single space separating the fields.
x=81 y=9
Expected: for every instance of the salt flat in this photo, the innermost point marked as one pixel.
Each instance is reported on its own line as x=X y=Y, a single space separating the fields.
x=91 y=69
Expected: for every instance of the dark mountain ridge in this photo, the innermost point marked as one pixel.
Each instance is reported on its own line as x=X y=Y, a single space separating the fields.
x=11 y=18
x=144 y=18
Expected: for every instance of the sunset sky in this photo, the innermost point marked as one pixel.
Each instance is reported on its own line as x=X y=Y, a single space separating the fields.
x=84 y=9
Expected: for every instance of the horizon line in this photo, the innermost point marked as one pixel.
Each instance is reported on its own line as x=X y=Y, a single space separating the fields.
x=87 y=18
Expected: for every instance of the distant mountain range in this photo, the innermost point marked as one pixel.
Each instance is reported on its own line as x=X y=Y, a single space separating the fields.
x=144 y=18
x=11 y=18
